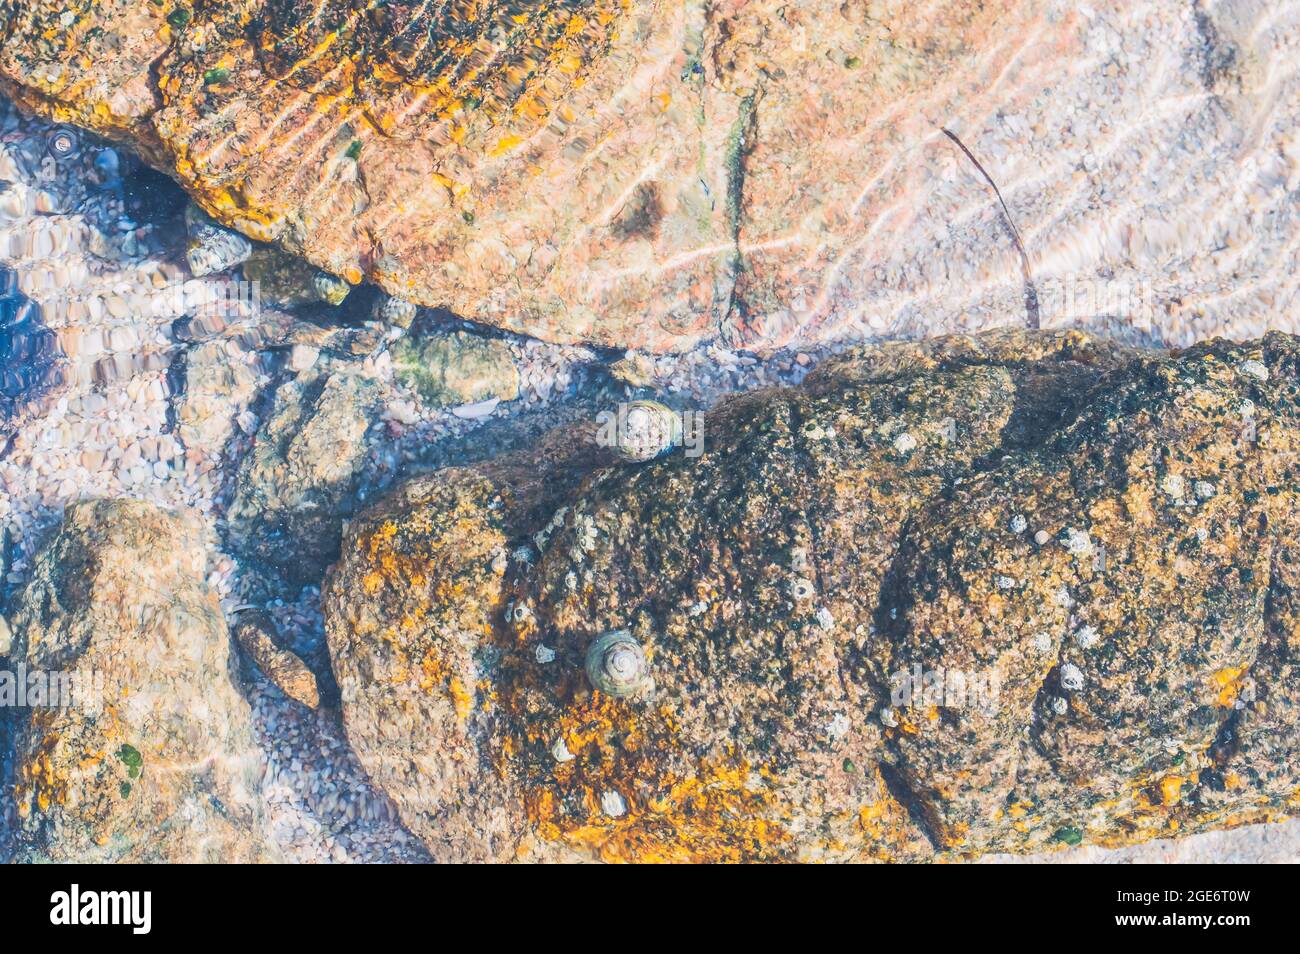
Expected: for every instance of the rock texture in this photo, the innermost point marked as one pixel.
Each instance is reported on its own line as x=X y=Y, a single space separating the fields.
x=457 y=368
x=154 y=760
x=299 y=481
x=649 y=174
x=1100 y=538
x=218 y=380
x=257 y=636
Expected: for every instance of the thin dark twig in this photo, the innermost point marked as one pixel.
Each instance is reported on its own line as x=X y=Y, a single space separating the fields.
x=1031 y=292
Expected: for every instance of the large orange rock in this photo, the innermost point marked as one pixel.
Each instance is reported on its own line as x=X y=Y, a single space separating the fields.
x=626 y=173
x=650 y=174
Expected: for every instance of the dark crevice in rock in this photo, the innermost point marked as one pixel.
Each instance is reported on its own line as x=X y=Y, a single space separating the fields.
x=740 y=143
x=895 y=779
x=1218 y=57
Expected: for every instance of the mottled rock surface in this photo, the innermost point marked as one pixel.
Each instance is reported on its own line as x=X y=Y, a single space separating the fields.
x=649 y=174
x=218 y=381
x=1098 y=537
x=299 y=481
x=457 y=368
x=257 y=636
x=155 y=759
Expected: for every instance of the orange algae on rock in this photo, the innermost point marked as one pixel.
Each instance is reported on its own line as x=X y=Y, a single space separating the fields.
x=708 y=813
x=1078 y=522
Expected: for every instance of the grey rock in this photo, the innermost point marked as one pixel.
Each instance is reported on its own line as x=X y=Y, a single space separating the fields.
x=299 y=482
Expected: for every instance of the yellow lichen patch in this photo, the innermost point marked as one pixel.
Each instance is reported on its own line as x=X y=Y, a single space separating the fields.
x=1228 y=682
x=505 y=144
x=36 y=783
x=1019 y=809
x=461 y=698
x=871 y=817
x=1171 y=790
x=722 y=810
x=715 y=816
x=432 y=572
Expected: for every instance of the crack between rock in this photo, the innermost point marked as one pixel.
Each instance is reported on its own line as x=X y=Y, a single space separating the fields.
x=739 y=145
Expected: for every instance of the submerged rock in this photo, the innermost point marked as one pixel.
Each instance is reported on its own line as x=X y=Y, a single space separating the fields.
x=971 y=595
x=416 y=665
x=628 y=174
x=219 y=386
x=457 y=368
x=258 y=637
x=283 y=280
x=154 y=758
x=212 y=248
x=299 y=481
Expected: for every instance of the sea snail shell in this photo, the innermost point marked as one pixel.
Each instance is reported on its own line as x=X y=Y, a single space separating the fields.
x=213 y=248
x=330 y=288
x=616 y=664
x=391 y=310
x=646 y=430
x=62 y=143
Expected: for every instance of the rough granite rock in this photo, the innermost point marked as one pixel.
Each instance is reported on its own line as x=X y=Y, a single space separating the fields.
x=155 y=760
x=299 y=481
x=627 y=173
x=1096 y=540
x=219 y=385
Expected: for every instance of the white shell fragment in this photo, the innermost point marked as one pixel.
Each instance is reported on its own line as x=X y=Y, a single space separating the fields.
x=1255 y=369
x=560 y=752
x=612 y=803
x=1071 y=677
x=473 y=412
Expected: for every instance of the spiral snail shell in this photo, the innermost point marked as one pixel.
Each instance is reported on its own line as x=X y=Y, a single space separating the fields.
x=330 y=288
x=212 y=247
x=391 y=310
x=646 y=430
x=617 y=665
x=62 y=143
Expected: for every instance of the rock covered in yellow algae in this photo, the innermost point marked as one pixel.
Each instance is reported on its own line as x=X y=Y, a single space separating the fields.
x=141 y=748
x=1073 y=553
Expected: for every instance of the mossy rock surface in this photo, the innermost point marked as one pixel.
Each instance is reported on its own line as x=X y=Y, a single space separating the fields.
x=457 y=368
